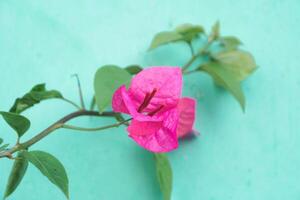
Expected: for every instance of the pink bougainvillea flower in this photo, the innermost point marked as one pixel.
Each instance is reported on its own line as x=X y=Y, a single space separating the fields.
x=159 y=114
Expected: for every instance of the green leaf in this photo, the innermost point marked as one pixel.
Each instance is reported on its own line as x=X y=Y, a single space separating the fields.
x=240 y=63
x=215 y=32
x=230 y=42
x=133 y=69
x=18 y=122
x=225 y=79
x=50 y=167
x=16 y=175
x=107 y=80
x=164 y=174
x=34 y=96
x=3 y=147
x=164 y=38
x=189 y=31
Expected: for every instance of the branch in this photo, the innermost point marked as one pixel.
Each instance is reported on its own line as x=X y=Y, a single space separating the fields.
x=58 y=124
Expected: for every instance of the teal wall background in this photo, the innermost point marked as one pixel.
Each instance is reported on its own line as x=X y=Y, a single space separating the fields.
x=251 y=156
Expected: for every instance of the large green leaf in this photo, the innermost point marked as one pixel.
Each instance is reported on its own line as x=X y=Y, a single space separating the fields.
x=34 y=96
x=230 y=42
x=107 y=80
x=165 y=38
x=51 y=167
x=16 y=175
x=189 y=31
x=224 y=78
x=1 y=140
x=18 y=122
x=164 y=174
x=133 y=69
x=240 y=63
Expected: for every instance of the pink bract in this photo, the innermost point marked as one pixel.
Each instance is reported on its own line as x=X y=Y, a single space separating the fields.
x=159 y=114
x=186 y=109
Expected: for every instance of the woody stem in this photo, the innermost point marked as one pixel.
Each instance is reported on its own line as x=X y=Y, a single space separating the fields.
x=58 y=124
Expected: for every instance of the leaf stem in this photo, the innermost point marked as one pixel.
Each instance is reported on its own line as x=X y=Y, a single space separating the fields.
x=80 y=91
x=195 y=56
x=72 y=103
x=187 y=65
x=191 y=48
x=94 y=129
x=190 y=72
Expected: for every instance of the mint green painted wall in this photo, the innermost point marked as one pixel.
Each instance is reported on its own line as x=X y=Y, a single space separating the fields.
x=251 y=156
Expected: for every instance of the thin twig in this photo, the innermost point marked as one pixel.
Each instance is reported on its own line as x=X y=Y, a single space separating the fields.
x=80 y=91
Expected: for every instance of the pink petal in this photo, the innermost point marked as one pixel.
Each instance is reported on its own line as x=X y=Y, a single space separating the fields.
x=118 y=104
x=166 y=80
x=164 y=139
x=144 y=127
x=121 y=102
x=132 y=109
x=186 y=109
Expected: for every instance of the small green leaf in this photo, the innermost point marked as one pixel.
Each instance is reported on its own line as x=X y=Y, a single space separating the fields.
x=240 y=63
x=215 y=32
x=107 y=80
x=34 y=96
x=164 y=174
x=230 y=42
x=40 y=92
x=164 y=38
x=18 y=122
x=39 y=88
x=3 y=147
x=16 y=175
x=225 y=79
x=50 y=167
x=189 y=31
x=133 y=69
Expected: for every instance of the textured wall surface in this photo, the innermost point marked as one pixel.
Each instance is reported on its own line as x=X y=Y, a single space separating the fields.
x=251 y=156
